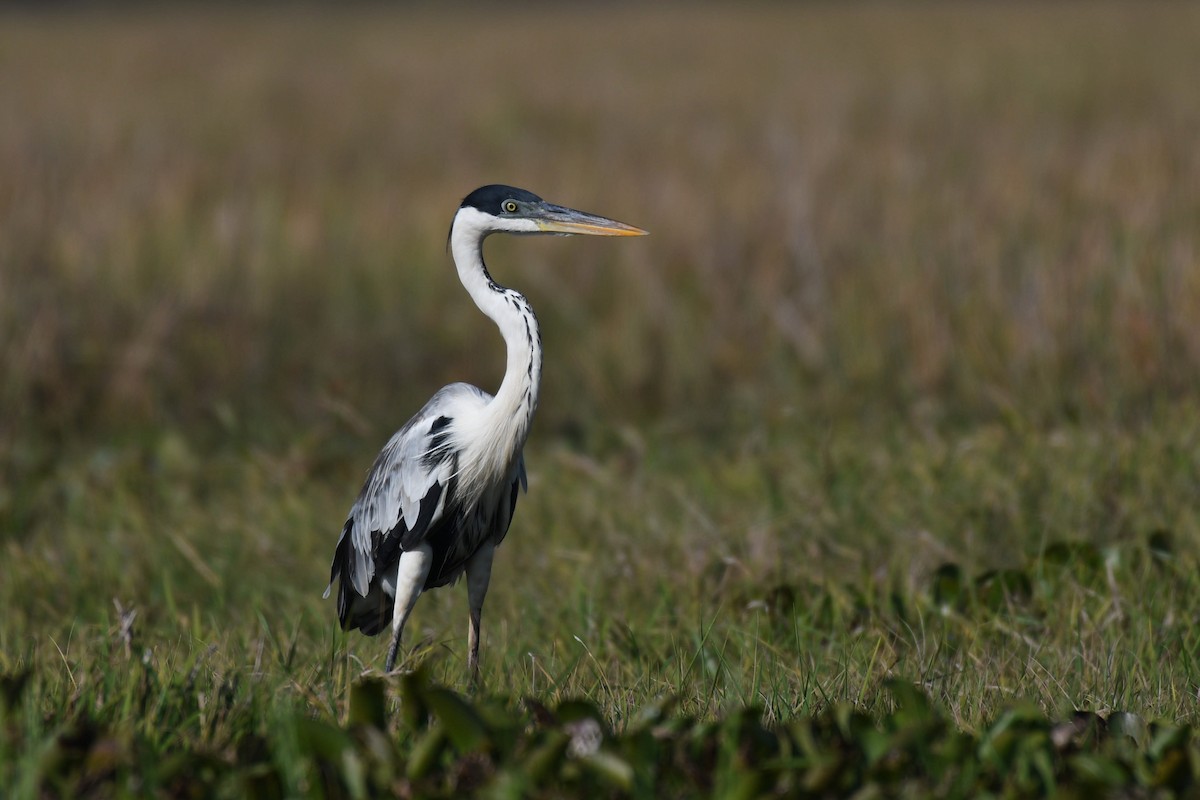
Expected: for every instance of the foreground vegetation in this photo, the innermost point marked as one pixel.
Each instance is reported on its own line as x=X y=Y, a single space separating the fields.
x=451 y=748
x=215 y=665
x=874 y=469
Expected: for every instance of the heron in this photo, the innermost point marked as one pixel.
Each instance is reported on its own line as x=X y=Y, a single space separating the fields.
x=441 y=494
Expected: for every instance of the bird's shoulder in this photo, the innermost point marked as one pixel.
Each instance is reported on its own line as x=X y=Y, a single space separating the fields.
x=416 y=458
x=426 y=436
x=454 y=400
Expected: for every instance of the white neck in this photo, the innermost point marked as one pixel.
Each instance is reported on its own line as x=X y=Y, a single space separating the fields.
x=497 y=437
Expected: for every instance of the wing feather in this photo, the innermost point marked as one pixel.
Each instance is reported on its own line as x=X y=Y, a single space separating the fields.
x=405 y=493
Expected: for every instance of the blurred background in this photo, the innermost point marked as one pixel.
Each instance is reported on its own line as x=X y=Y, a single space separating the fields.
x=222 y=242
x=233 y=222
x=903 y=389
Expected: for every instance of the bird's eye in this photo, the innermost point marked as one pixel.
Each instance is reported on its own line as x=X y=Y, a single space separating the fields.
x=509 y=205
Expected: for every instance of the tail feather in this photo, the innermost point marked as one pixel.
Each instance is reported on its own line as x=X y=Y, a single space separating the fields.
x=370 y=614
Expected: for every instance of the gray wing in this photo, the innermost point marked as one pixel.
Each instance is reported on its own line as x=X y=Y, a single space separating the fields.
x=404 y=496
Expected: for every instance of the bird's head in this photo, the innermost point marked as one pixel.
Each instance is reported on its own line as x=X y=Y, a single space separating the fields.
x=505 y=209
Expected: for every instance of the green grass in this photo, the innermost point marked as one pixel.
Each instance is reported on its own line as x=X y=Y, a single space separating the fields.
x=900 y=393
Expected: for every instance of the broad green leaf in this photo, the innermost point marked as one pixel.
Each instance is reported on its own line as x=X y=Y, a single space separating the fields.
x=544 y=760
x=1123 y=723
x=463 y=726
x=368 y=703
x=1168 y=737
x=413 y=688
x=425 y=753
x=610 y=768
x=1100 y=769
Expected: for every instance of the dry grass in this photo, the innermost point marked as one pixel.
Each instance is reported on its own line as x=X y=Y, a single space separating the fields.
x=922 y=287
x=934 y=212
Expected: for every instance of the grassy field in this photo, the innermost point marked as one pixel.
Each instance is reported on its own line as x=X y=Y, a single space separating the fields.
x=902 y=392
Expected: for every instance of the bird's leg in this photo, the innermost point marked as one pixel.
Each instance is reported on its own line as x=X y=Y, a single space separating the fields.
x=479 y=573
x=411 y=573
